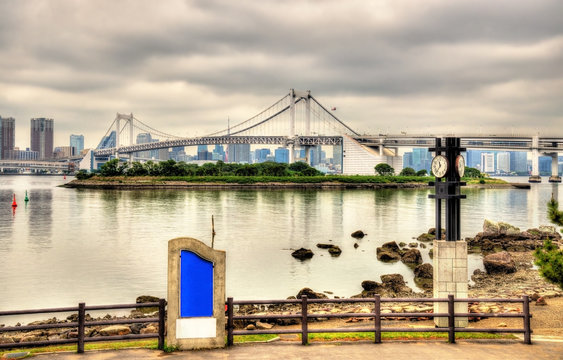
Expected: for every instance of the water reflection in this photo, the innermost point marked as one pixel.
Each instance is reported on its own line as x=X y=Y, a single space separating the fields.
x=40 y=219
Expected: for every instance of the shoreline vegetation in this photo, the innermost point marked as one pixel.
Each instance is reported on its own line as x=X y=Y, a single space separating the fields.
x=268 y=175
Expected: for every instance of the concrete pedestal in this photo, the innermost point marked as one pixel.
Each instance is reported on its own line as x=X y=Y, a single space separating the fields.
x=555 y=179
x=534 y=179
x=450 y=277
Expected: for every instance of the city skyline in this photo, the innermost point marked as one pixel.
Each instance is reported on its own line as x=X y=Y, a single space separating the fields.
x=185 y=67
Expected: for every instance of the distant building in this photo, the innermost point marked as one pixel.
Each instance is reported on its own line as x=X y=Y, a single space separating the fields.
x=473 y=158
x=545 y=165
x=260 y=155
x=18 y=154
x=7 y=136
x=203 y=154
x=503 y=162
x=42 y=131
x=518 y=162
x=218 y=153
x=487 y=162
x=281 y=155
x=407 y=160
x=239 y=153
x=63 y=152
x=77 y=142
x=177 y=153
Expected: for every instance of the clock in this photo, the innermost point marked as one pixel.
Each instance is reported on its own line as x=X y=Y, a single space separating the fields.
x=440 y=166
x=460 y=165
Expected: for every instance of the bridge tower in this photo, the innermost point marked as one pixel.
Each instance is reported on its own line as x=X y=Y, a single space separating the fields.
x=118 y=129
x=535 y=176
x=294 y=97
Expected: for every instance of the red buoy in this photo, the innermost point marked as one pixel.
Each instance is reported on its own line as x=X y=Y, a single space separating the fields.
x=14 y=204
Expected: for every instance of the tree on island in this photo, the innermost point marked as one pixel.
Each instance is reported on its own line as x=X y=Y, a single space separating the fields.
x=549 y=257
x=408 y=171
x=472 y=173
x=422 y=172
x=384 y=169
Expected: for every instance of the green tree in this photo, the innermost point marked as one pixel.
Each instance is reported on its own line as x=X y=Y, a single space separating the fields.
x=472 y=173
x=136 y=169
x=549 y=258
x=408 y=171
x=422 y=172
x=384 y=169
x=113 y=168
x=83 y=175
x=298 y=166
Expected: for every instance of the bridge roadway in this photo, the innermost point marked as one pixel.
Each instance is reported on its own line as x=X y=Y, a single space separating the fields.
x=492 y=142
x=34 y=164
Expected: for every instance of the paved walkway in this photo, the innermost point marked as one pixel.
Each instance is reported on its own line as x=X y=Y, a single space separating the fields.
x=348 y=350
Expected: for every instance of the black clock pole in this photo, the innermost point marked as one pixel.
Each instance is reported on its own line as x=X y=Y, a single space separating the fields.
x=449 y=190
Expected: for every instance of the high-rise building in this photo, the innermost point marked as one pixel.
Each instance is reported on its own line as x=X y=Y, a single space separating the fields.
x=239 y=153
x=503 y=162
x=218 y=153
x=42 y=131
x=261 y=155
x=473 y=158
x=487 y=162
x=282 y=155
x=202 y=153
x=544 y=164
x=518 y=162
x=7 y=135
x=77 y=142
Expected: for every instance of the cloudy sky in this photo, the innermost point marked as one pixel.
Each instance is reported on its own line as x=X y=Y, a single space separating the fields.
x=183 y=67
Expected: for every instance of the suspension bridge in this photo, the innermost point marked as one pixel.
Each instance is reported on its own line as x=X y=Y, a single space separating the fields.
x=299 y=121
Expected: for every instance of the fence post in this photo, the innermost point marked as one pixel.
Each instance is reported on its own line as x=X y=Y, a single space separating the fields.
x=230 y=322
x=451 y=319
x=81 y=326
x=161 y=325
x=304 y=324
x=527 y=328
x=377 y=319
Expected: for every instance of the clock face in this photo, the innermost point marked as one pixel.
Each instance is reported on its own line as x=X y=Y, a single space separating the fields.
x=460 y=165
x=439 y=166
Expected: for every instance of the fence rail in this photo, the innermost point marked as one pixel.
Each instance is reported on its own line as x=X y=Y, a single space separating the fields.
x=81 y=324
x=377 y=316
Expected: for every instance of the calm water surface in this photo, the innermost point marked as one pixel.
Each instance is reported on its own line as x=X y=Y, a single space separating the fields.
x=102 y=247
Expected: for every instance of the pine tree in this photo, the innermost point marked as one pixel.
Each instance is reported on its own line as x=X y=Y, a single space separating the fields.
x=549 y=257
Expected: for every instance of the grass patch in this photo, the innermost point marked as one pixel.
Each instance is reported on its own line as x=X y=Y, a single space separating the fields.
x=116 y=345
x=253 y=338
x=403 y=336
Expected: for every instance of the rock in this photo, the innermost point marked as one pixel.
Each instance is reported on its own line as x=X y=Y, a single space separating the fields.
x=395 y=282
x=263 y=326
x=335 y=251
x=413 y=245
x=502 y=325
x=499 y=263
x=311 y=294
x=541 y=301
x=424 y=271
x=431 y=253
x=136 y=328
x=150 y=329
x=358 y=234
x=115 y=330
x=370 y=285
x=426 y=237
x=146 y=299
x=388 y=252
x=535 y=296
x=6 y=340
x=412 y=256
x=324 y=246
x=250 y=327
x=402 y=244
x=302 y=254
x=356 y=245
x=490 y=227
x=423 y=246
x=507 y=229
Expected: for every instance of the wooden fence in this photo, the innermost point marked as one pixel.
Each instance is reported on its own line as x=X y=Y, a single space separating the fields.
x=81 y=324
x=377 y=329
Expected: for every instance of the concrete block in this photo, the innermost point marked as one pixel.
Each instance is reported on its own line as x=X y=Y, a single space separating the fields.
x=460 y=274
x=461 y=250
x=460 y=263
x=445 y=270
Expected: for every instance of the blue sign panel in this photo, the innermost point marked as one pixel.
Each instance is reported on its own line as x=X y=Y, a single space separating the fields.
x=196 y=285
